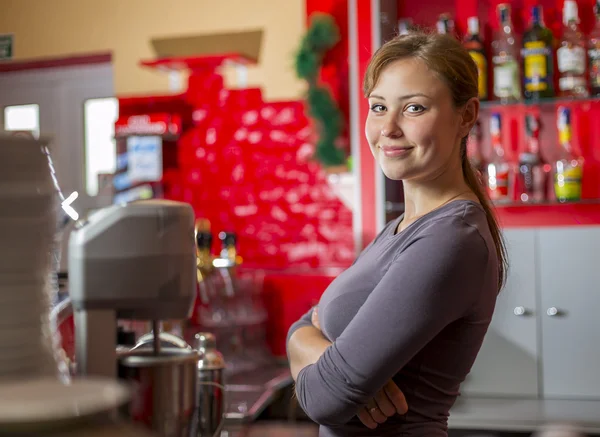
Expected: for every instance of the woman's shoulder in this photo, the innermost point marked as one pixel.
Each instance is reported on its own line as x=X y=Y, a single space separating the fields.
x=462 y=223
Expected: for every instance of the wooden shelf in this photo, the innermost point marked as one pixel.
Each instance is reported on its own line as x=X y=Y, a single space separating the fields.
x=541 y=102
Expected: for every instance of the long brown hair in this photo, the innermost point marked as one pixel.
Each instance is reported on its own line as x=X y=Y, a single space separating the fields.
x=444 y=55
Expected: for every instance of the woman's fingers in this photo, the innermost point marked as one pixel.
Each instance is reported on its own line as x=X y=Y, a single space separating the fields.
x=396 y=396
x=366 y=419
x=384 y=403
x=387 y=402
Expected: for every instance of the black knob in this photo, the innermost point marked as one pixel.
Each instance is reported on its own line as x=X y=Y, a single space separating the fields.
x=228 y=239
x=204 y=240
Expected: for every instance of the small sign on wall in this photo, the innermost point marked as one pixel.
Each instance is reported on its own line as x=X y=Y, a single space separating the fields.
x=6 y=47
x=144 y=158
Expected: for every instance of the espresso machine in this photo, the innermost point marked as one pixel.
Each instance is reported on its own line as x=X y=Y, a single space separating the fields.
x=137 y=262
x=134 y=261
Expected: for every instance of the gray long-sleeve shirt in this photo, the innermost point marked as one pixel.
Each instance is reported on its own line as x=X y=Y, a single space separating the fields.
x=415 y=307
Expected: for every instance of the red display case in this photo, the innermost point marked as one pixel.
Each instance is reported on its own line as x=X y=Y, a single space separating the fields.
x=247 y=165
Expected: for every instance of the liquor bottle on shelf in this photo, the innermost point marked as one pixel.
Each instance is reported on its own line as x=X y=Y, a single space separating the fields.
x=405 y=25
x=568 y=167
x=505 y=58
x=445 y=25
x=474 y=45
x=533 y=172
x=474 y=152
x=594 y=53
x=571 y=55
x=204 y=267
x=498 y=169
x=538 y=64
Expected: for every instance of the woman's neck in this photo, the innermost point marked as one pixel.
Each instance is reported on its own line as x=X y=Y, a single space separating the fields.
x=421 y=197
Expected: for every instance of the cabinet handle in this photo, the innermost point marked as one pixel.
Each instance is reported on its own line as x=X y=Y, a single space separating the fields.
x=520 y=311
x=553 y=311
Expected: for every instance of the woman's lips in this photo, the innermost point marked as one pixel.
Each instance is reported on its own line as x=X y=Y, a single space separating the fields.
x=394 y=151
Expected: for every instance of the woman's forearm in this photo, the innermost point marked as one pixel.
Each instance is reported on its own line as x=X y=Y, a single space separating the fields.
x=305 y=347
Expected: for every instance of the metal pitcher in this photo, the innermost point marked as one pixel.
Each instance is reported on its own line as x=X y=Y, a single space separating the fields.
x=210 y=386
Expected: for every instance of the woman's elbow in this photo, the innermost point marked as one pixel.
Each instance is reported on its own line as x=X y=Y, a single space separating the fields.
x=326 y=410
x=324 y=417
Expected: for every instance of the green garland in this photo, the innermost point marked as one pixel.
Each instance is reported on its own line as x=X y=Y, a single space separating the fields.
x=321 y=36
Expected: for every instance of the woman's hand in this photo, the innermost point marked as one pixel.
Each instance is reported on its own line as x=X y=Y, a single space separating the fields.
x=315 y=318
x=387 y=402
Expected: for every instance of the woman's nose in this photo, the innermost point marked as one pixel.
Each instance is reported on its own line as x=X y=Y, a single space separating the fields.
x=390 y=129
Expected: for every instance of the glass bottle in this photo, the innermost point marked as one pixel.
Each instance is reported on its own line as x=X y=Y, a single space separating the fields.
x=594 y=53
x=204 y=268
x=498 y=169
x=405 y=25
x=474 y=45
x=505 y=58
x=538 y=61
x=226 y=267
x=532 y=169
x=445 y=25
x=571 y=55
x=568 y=167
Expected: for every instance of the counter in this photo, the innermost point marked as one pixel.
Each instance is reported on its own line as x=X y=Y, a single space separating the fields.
x=523 y=415
x=268 y=429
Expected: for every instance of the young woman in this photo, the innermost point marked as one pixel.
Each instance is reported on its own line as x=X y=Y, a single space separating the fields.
x=397 y=332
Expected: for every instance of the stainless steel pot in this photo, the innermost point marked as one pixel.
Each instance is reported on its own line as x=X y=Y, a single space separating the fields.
x=164 y=389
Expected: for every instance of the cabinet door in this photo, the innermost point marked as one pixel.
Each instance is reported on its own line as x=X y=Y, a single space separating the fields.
x=507 y=364
x=570 y=298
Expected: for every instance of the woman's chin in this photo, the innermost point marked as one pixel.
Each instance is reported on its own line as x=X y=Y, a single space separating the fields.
x=394 y=174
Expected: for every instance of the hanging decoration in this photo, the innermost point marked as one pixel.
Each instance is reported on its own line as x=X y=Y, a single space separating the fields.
x=321 y=36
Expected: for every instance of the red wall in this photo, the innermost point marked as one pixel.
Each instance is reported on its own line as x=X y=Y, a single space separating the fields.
x=247 y=166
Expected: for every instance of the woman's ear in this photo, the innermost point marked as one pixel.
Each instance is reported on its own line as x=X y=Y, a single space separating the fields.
x=470 y=114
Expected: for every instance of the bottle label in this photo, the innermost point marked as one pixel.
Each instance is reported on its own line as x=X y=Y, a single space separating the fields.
x=498 y=181
x=506 y=79
x=594 y=57
x=482 y=73
x=535 y=55
x=571 y=60
x=567 y=184
x=570 y=83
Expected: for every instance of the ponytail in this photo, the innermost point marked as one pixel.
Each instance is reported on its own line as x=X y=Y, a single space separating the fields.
x=475 y=185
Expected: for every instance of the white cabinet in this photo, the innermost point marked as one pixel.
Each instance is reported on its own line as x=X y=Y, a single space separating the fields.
x=570 y=304
x=507 y=363
x=543 y=339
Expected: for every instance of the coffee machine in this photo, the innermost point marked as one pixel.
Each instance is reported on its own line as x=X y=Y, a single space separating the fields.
x=134 y=261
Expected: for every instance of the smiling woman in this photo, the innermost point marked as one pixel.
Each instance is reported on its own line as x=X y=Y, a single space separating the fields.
x=397 y=333
x=412 y=117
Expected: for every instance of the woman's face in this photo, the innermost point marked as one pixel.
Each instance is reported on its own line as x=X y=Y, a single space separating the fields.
x=413 y=128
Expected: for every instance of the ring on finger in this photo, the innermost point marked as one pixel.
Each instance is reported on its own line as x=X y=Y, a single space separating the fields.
x=373 y=410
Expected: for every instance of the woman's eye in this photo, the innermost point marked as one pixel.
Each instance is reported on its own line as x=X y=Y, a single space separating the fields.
x=415 y=109
x=377 y=108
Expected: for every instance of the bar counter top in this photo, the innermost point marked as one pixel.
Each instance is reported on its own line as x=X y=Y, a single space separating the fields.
x=272 y=429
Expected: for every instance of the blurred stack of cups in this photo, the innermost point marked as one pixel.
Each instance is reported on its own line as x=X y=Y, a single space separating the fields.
x=28 y=197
